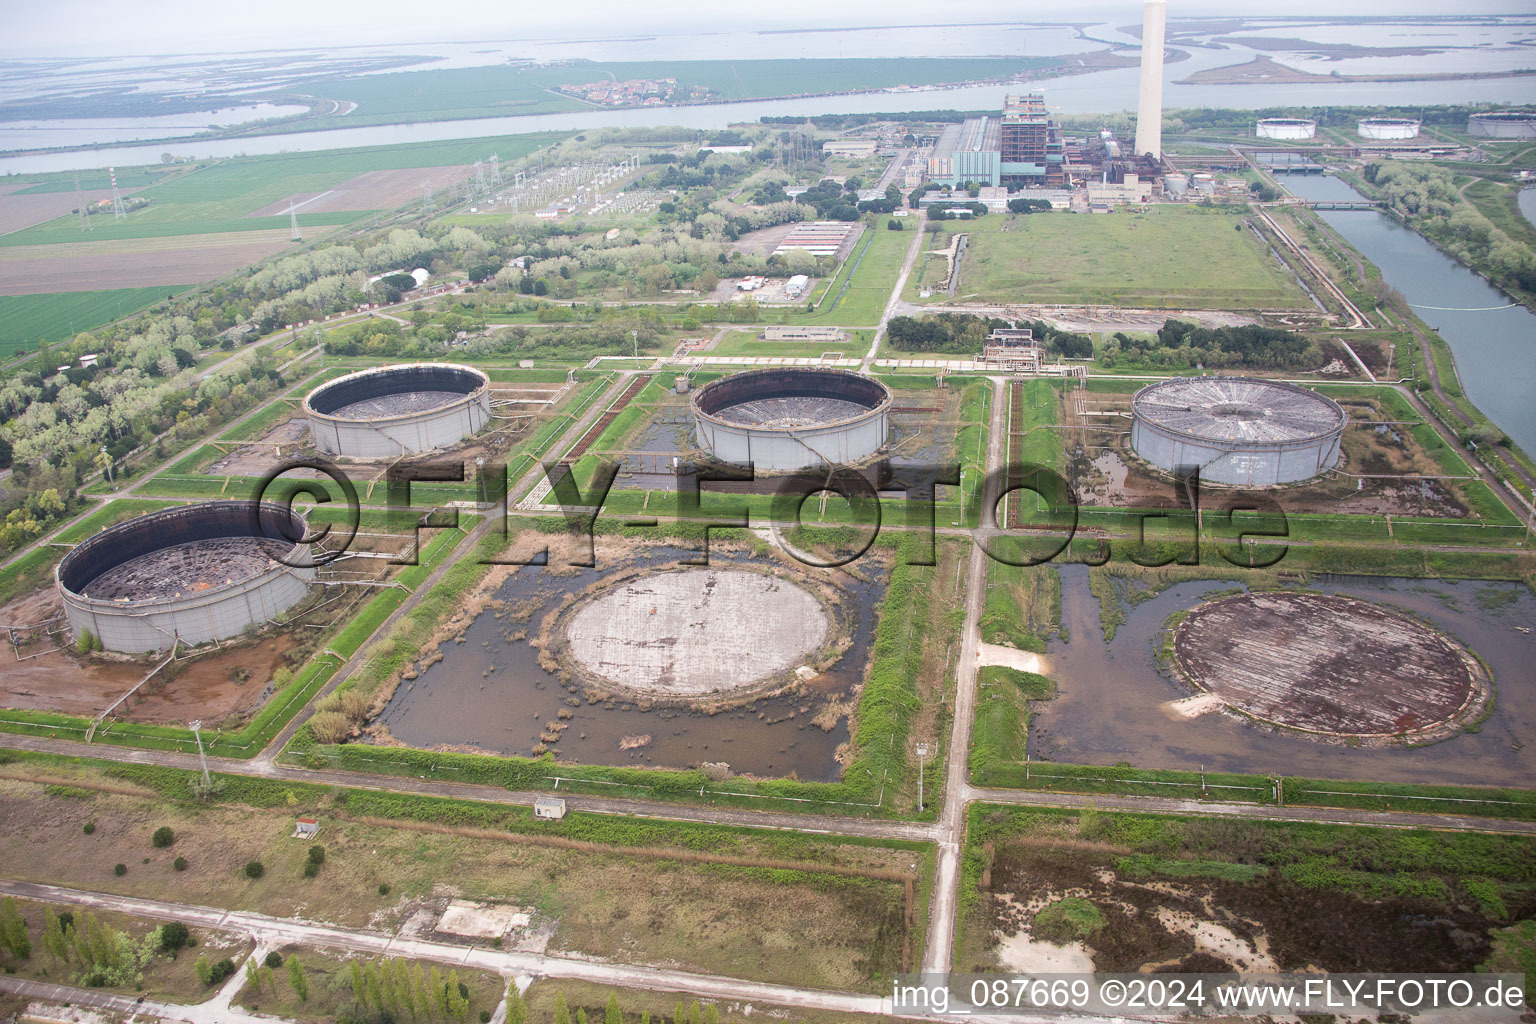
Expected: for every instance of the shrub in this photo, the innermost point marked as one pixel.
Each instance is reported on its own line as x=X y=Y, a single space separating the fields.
x=253 y=869
x=120 y=870
x=383 y=888
x=221 y=970
x=180 y=863
x=1067 y=919
x=330 y=727
x=163 y=837
x=173 y=935
x=317 y=854
x=311 y=869
x=273 y=959
x=90 y=827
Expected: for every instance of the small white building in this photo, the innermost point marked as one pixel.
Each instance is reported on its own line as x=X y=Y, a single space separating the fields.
x=421 y=274
x=306 y=828
x=796 y=286
x=549 y=808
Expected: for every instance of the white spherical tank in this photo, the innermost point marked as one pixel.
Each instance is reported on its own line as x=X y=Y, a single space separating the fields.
x=1237 y=430
x=390 y=411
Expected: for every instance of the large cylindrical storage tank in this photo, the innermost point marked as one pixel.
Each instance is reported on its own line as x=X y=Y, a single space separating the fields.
x=1176 y=184
x=1503 y=124
x=1288 y=128
x=195 y=573
x=1237 y=430
x=1388 y=128
x=391 y=411
x=791 y=418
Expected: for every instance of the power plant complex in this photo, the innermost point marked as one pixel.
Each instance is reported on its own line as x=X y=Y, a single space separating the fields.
x=787 y=419
x=1023 y=147
x=391 y=411
x=185 y=575
x=1237 y=430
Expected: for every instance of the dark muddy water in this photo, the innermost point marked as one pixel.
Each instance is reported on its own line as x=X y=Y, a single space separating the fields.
x=490 y=692
x=1111 y=697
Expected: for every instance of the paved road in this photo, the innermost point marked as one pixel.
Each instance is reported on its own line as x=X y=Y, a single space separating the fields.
x=893 y=304
x=938 y=951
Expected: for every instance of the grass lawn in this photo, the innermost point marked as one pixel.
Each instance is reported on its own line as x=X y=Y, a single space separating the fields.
x=861 y=304
x=1167 y=257
x=26 y=320
x=750 y=342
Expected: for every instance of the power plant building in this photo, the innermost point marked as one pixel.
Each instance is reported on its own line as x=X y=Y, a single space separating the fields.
x=1022 y=148
x=1237 y=430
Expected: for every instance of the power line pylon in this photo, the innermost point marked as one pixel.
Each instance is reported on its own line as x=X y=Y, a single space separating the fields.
x=119 y=211
x=294 y=234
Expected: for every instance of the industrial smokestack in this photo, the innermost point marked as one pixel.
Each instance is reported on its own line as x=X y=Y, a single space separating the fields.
x=1149 y=108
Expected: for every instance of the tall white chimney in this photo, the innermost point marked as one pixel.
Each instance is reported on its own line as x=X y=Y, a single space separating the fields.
x=1149 y=108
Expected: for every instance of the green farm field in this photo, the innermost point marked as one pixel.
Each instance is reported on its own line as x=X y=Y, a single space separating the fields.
x=219 y=197
x=27 y=319
x=1168 y=257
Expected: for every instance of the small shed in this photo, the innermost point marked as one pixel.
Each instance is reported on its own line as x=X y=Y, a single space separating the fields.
x=306 y=828
x=549 y=808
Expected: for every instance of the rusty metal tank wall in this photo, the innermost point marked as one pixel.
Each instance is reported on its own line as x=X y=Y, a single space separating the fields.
x=389 y=436
x=217 y=613
x=844 y=440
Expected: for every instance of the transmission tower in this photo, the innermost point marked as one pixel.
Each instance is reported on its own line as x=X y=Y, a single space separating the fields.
x=294 y=234
x=85 y=215
x=427 y=203
x=495 y=169
x=479 y=177
x=119 y=211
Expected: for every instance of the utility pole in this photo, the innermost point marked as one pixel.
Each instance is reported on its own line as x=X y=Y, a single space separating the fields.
x=922 y=752
x=195 y=726
x=634 y=336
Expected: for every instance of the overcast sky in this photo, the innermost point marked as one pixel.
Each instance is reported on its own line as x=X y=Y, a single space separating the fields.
x=108 y=27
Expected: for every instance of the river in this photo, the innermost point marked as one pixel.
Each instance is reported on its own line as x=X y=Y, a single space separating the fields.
x=1096 y=92
x=1495 y=348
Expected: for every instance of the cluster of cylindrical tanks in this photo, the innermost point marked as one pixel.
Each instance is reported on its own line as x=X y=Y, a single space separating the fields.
x=391 y=411
x=1503 y=124
x=791 y=418
x=1392 y=128
x=1290 y=128
x=190 y=574
x=1237 y=430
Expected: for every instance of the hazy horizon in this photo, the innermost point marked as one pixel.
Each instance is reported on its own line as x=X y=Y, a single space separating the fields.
x=76 y=29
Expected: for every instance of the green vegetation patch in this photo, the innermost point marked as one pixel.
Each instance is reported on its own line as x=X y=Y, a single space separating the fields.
x=1167 y=257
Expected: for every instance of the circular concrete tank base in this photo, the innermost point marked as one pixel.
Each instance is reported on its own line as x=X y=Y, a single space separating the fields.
x=695 y=635
x=1329 y=667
